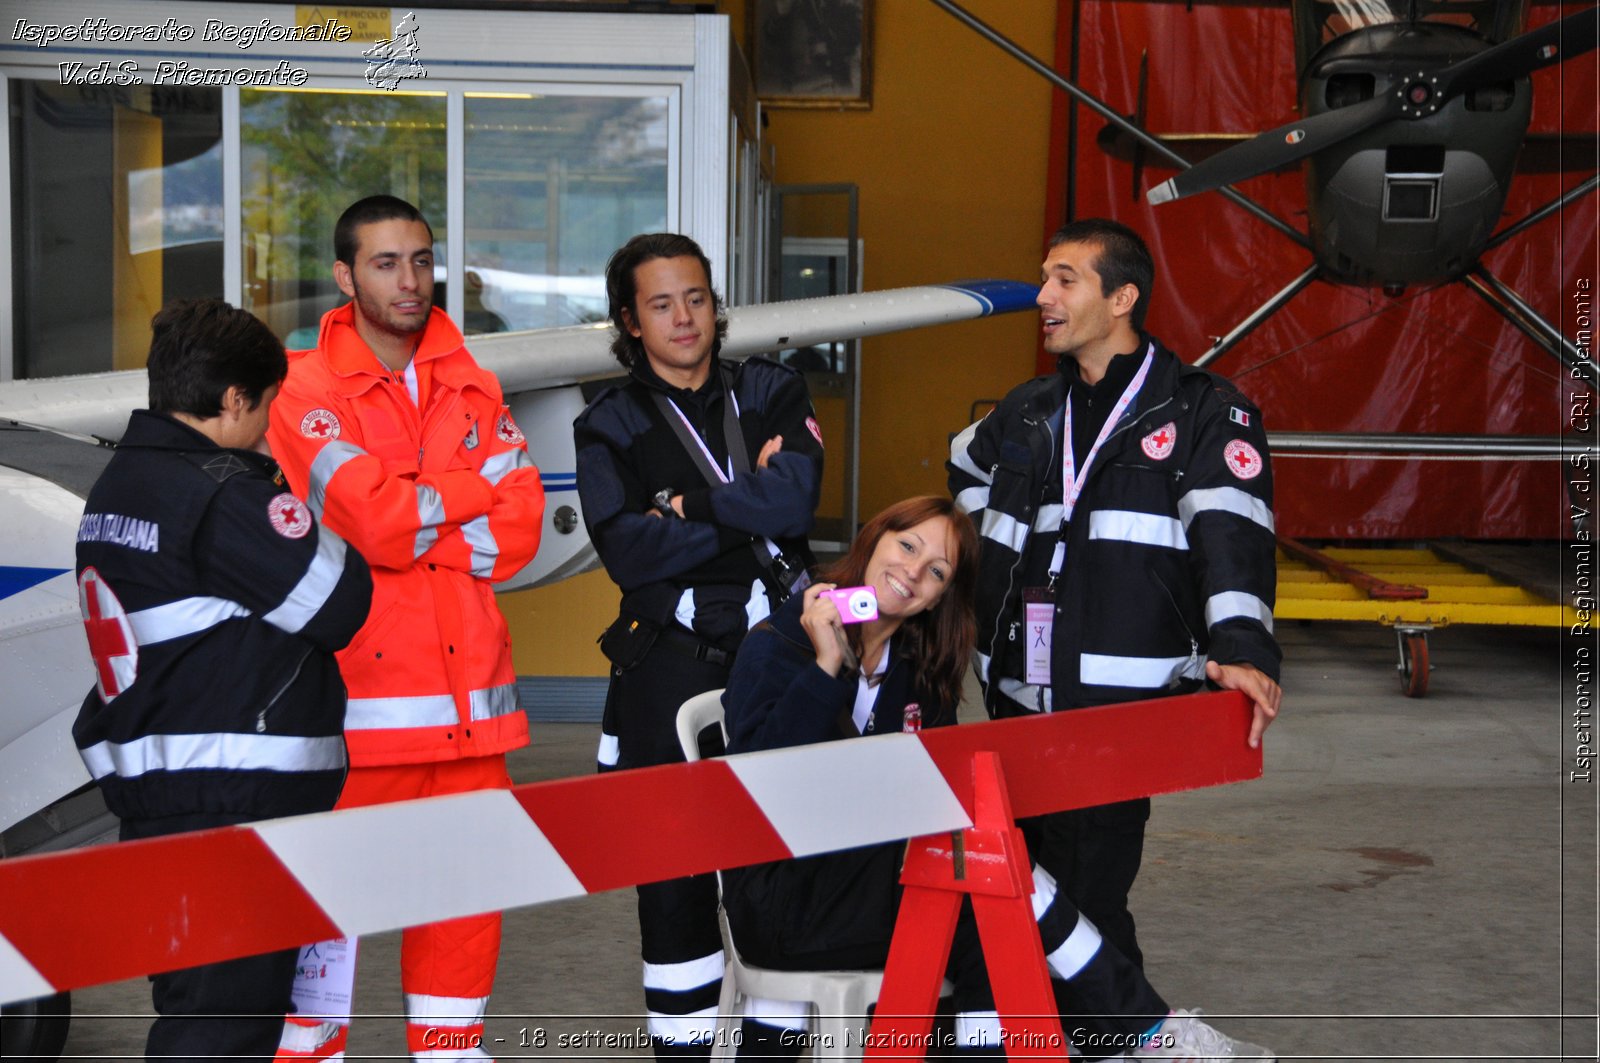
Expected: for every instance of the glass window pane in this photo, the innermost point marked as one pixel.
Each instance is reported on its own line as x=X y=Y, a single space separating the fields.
x=305 y=157
x=554 y=185
x=117 y=210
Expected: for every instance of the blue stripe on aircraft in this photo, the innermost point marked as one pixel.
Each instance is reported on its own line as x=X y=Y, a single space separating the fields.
x=998 y=296
x=15 y=580
x=559 y=481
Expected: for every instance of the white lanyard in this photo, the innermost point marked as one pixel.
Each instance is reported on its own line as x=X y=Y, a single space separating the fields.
x=725 y=477
x=1072 y=478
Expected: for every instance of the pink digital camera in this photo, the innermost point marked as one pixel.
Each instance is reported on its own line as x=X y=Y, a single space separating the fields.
x=855 y=604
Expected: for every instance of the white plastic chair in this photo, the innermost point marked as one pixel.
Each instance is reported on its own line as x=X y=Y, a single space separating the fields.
x=837 y=998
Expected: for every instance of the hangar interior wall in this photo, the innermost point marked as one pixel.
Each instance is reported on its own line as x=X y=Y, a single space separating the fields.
x=1338 y=359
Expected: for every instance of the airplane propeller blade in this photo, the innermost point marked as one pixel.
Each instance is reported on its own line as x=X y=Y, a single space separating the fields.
x=1277 y=147
x=1520 y=56
x=1516 y=58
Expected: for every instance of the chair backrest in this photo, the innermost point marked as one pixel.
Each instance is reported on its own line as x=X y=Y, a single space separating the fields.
x=694 y=716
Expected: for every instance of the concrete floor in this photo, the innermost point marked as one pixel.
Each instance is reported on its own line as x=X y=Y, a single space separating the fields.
x=1410 y=879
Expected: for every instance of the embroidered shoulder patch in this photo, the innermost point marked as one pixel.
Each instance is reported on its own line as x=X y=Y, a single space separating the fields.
x=816 y=430
x=320 y=424
x=1243 y=460
x=290 y=517
x=508 y=431
x=1158 y=444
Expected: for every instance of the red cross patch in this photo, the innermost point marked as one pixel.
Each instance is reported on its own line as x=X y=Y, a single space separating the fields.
x=111 y=641
x=1243 y=460
x=1158 y=444
x=320 y=424
x=508 y=431
x=290 y=517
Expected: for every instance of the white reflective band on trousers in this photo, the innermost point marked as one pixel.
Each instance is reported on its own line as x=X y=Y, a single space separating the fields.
x=311 y=593
x=693 y=1028
x=186 y=616
x=223 y=751
x=427 y=710
x=690 y=974
x=425 y=1010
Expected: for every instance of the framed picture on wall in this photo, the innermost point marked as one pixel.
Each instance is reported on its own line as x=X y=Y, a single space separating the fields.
x=812 y=53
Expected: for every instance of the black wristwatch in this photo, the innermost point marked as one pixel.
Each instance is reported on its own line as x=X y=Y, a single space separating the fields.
x=663 y=502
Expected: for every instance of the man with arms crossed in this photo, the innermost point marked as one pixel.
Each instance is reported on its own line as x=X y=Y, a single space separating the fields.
x=400 y=441
x=1125 y=509
x=699 y=480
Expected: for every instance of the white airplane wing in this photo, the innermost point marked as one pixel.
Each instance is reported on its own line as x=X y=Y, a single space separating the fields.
x=44 y=657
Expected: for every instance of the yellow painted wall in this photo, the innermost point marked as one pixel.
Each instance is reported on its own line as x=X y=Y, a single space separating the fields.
x=951 y=164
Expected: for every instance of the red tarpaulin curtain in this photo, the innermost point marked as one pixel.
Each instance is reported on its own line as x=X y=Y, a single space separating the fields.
x=1337 y=359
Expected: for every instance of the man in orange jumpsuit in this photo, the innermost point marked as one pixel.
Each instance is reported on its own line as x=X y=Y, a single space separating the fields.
x=403 y=444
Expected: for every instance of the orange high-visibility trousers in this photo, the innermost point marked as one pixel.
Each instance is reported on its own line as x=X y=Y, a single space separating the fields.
x=446 y=969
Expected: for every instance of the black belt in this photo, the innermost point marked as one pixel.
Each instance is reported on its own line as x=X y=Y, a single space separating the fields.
x=679 y=641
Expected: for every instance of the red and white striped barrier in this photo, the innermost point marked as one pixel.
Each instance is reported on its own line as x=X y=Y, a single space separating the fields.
x=120 y=911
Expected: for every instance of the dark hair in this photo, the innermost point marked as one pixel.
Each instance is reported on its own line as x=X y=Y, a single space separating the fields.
x=200 y=348
x=365 y=212
x=622 y=289
x=1122 y=259
x=939 y=640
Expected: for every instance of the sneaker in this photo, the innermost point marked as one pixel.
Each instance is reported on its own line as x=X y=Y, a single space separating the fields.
x=1184 y=1037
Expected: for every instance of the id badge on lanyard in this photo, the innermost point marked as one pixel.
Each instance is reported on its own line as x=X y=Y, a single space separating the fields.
x=1038 y=620
x=1038 y=603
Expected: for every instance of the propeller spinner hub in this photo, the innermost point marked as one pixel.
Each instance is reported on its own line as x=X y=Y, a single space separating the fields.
x=1419 y=96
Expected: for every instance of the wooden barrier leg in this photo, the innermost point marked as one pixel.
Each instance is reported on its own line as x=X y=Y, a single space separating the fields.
x=989 y=862
x=902 y=1025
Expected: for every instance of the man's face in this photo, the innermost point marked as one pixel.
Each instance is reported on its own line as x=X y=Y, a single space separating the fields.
x=392 y=279
x=1077 y=318
x=673 y=316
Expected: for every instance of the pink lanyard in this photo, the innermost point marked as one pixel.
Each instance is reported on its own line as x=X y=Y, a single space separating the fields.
x=1072 y=478
x=711 y=460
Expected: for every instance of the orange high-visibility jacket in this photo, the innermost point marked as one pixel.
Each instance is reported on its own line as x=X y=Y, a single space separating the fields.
x=442 y=502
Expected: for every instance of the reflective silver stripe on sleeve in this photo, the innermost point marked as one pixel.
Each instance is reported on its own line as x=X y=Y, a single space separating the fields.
x=1224 y=500
x=958 y=452
x=430 y=514
x=1004 y=529
x=430 y=507
x=1143 y=673
x=426 y=537
x=485 y=551
x=501 y=465
x=494 y=701
x=1130 y=526
x=1231 y=604
x=374 y=714
x=973 y=498
x=329 y=460
x=311 y=593
x=224 y=751
x=186 y=616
